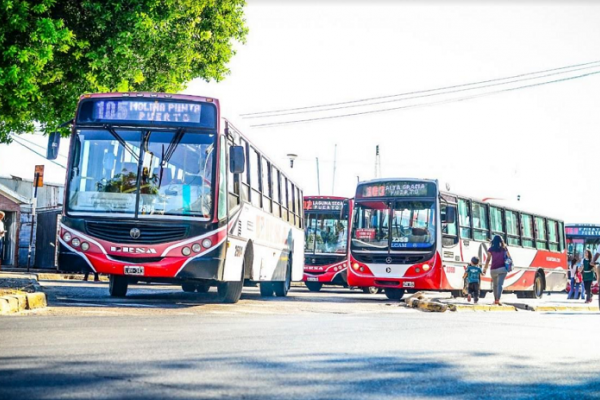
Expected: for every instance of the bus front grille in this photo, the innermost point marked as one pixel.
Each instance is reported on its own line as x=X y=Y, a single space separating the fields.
x=117 y=232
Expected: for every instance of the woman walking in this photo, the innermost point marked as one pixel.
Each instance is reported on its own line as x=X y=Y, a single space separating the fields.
x=497 y=253
x=588 y=274
x=573 y=265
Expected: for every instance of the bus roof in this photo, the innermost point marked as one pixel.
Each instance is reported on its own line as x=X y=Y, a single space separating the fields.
x=325 y=198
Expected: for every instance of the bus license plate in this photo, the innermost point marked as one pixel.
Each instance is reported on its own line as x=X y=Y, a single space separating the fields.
x=133 y=270
x=408 y=284
x=312 y=279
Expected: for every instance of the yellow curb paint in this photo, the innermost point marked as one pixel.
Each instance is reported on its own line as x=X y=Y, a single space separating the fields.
x=565 y=308
x=483 y=307
x=9 y=304
x=36 y=300
x=21 y=301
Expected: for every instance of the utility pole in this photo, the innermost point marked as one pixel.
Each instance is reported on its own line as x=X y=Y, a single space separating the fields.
x=38 y=181
x=334 y=165
x=377 y=163
x=318 y=178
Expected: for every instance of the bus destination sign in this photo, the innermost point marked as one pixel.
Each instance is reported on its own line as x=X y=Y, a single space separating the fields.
x=583 y=230
x=323 y=205
x=396 y=189
x=147 y=111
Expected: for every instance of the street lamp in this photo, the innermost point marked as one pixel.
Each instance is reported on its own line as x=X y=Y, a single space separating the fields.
x=292 y=157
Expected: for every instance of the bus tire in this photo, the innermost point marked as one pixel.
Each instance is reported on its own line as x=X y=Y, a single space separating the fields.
x=394 y=294
x=230 y=292
x=203 y=288
x=117 y=286
x=371 y=290
x=282 y=288
x=266 y=289
x=314 y=286
x=538 y=287
x=188 y=287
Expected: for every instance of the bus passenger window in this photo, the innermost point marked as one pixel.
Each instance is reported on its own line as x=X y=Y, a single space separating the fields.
x=561 y=236
x=496 y=222
x=527 y=230
x=464 y=218
x=540 y=234
x=552 y=236
x=449 y=228
x=512 y=228
x=480 y=222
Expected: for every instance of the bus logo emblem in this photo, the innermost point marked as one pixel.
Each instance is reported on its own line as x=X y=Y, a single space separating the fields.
x=388 y=260
x=135 y=233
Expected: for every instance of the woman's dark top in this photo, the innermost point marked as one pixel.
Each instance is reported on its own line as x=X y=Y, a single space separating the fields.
x=498 y=257
x=588 y=271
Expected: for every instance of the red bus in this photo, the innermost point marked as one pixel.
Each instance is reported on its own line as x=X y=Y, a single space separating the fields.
x=406 y=236
x=159 y=189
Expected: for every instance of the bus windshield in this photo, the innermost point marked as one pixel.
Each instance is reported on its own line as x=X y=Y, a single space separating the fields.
x=109 y=170
x=325 y=233
x=395 y=225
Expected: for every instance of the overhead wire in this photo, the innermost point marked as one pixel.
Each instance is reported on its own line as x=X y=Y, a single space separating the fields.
x=446 y=101
x=34 y=144
x=39 y=154
x=438 y=93
x=422 y=91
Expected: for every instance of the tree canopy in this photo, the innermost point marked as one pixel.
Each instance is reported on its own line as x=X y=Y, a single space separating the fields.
x=52 y=51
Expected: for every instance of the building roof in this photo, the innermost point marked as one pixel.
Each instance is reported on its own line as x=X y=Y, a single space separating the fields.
x=14 y=196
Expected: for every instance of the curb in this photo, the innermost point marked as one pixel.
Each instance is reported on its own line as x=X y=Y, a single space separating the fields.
x=481 y=307
x=11 y=304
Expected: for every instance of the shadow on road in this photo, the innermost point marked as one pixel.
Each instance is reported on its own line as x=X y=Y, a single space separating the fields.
x=310 y=376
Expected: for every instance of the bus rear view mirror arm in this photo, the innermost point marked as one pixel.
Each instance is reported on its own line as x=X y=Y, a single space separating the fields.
x=237 y=159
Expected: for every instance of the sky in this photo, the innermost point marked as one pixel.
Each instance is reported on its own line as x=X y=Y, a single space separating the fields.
x=539 y=143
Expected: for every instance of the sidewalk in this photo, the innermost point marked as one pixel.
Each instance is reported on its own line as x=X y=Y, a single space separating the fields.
x=19 y=292
x=53 y=275
x=549 y=302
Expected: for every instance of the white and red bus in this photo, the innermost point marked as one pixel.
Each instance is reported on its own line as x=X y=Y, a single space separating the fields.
x=160 y=189
x=326 y=242
x=582 y=237
x=406 y=236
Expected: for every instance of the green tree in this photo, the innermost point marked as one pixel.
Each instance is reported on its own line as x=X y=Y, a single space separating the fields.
x=52 y=51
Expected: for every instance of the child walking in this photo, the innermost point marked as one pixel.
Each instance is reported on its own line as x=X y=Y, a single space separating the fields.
x=473 y=276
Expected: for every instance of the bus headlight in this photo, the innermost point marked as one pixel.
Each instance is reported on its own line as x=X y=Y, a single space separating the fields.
x=206 y=243
x=426 y=267
x=186 y=251
x=197 y=248
x=85 y=246
x=355 y=266
x=67 y=236
x=76 y=242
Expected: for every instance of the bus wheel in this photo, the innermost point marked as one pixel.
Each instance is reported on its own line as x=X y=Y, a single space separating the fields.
x=371 y=290
x=394 y=294
x=282 y=288
x=230 y=292
x=313 y=286
x=266 y=289
x=538 y=286
x=203 y=288
x=117 y=286
x=188 y=287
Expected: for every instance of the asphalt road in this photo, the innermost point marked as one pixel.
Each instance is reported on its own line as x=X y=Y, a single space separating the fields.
x=265 y=350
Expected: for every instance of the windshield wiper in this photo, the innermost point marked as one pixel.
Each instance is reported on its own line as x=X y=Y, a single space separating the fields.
x=121 y=141
x=166 y=156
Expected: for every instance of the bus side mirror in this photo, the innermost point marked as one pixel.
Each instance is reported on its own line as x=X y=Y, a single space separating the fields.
x=53 y=146
x=345 y=210
x=237 y=160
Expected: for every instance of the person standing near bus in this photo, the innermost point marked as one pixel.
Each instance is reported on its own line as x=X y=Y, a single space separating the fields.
x=588 y=274
x=497 y=253
x=573 y=265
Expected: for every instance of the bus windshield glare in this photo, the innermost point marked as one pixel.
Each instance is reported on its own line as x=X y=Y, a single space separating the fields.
x=110 y=169
x=399 y=225
x=325 y=233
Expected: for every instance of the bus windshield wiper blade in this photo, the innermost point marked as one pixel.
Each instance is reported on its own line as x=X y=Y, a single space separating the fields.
x=166 y=156
x=121 y=141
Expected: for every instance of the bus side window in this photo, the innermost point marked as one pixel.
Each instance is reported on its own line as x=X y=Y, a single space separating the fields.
x=299 y=208
x=561 y=236
x=480 y=222
x=276 y=199
x=284 y=194
x=255 y=196
x=497 y=225
x=512 y=228
x=540 y=234
x=552 y=236
x=266 y=184
x=527 y=230
x=464 y=218
x=449 y=225
x=244 y=186
x=233 y=183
